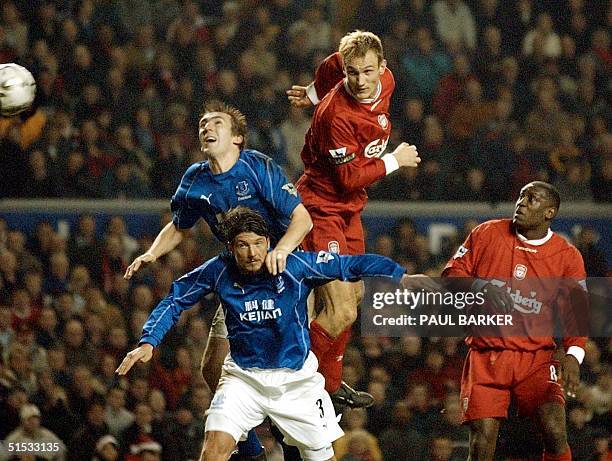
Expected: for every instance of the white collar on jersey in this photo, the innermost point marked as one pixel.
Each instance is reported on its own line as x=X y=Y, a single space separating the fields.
x=538 y=242
x=364 y=101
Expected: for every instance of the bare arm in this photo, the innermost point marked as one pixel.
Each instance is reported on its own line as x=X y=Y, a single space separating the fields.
x=167 y=240
x=299 y=226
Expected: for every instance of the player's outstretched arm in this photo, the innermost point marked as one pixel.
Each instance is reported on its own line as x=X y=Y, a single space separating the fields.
x=167 y=240
x=142 y=353
x=300 y=225
x=331 y=266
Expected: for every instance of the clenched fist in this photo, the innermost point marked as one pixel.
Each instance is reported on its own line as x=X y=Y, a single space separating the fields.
x=407 y=155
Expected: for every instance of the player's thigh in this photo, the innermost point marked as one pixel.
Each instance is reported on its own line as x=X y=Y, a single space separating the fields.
x=311 y=306
x=338 y=296
x=539 y=383
x=212 y=360
x=486 y=385
x=236 y=407
x=359 y=289
x=305 y=415
x=338 y=305
x=355 y=245
x=216 y=350
x=218 y=329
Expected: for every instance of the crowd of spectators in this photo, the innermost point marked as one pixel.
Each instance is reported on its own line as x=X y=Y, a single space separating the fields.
x=493 y=93
x=67 y=318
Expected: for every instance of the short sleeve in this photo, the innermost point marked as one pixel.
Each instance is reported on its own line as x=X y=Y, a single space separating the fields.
x=462 y=264
x=575 y=266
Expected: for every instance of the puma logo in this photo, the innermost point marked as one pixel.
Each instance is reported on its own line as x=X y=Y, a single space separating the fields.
x=204 y=197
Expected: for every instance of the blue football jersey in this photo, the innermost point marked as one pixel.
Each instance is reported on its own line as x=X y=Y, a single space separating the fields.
x=255 y=181
x=266 y=316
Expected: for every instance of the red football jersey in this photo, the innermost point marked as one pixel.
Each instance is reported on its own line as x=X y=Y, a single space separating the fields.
x=345 y=140
x=495 y=250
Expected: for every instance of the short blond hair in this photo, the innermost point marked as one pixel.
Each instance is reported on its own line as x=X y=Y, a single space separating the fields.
x=358 y=43
x=239 y=123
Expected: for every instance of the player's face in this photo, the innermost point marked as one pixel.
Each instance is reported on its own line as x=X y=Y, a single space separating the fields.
x=363 y=75
x=533 y=208
x=250 y=251
x=215 y=133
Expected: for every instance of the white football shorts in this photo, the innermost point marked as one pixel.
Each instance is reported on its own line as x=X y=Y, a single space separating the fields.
x=295 y=401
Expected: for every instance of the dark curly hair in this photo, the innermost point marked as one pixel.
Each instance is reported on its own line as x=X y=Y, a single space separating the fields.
x=242 y=219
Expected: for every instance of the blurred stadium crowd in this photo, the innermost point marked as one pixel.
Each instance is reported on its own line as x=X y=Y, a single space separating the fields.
x=493 y=94
x=67 y=317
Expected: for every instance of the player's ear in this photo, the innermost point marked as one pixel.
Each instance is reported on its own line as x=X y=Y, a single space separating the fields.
x=383 y=66
x=550 y=213
x=238 y=139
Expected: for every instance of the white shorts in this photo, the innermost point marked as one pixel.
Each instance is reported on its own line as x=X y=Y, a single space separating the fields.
x=218 y=329
x=295 y=401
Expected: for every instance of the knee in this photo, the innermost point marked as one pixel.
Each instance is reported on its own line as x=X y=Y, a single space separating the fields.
x=214 y=451
x=347 y=317
x=483 y=442
x=345 y=314
x=482 y=445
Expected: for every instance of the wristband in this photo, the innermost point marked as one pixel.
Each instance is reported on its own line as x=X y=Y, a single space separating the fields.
x=391 y=163
x=577 y=352
x=311 y=92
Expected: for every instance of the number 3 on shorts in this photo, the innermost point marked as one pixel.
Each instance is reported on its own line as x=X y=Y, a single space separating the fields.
x=553 y=373
x=320 y=405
